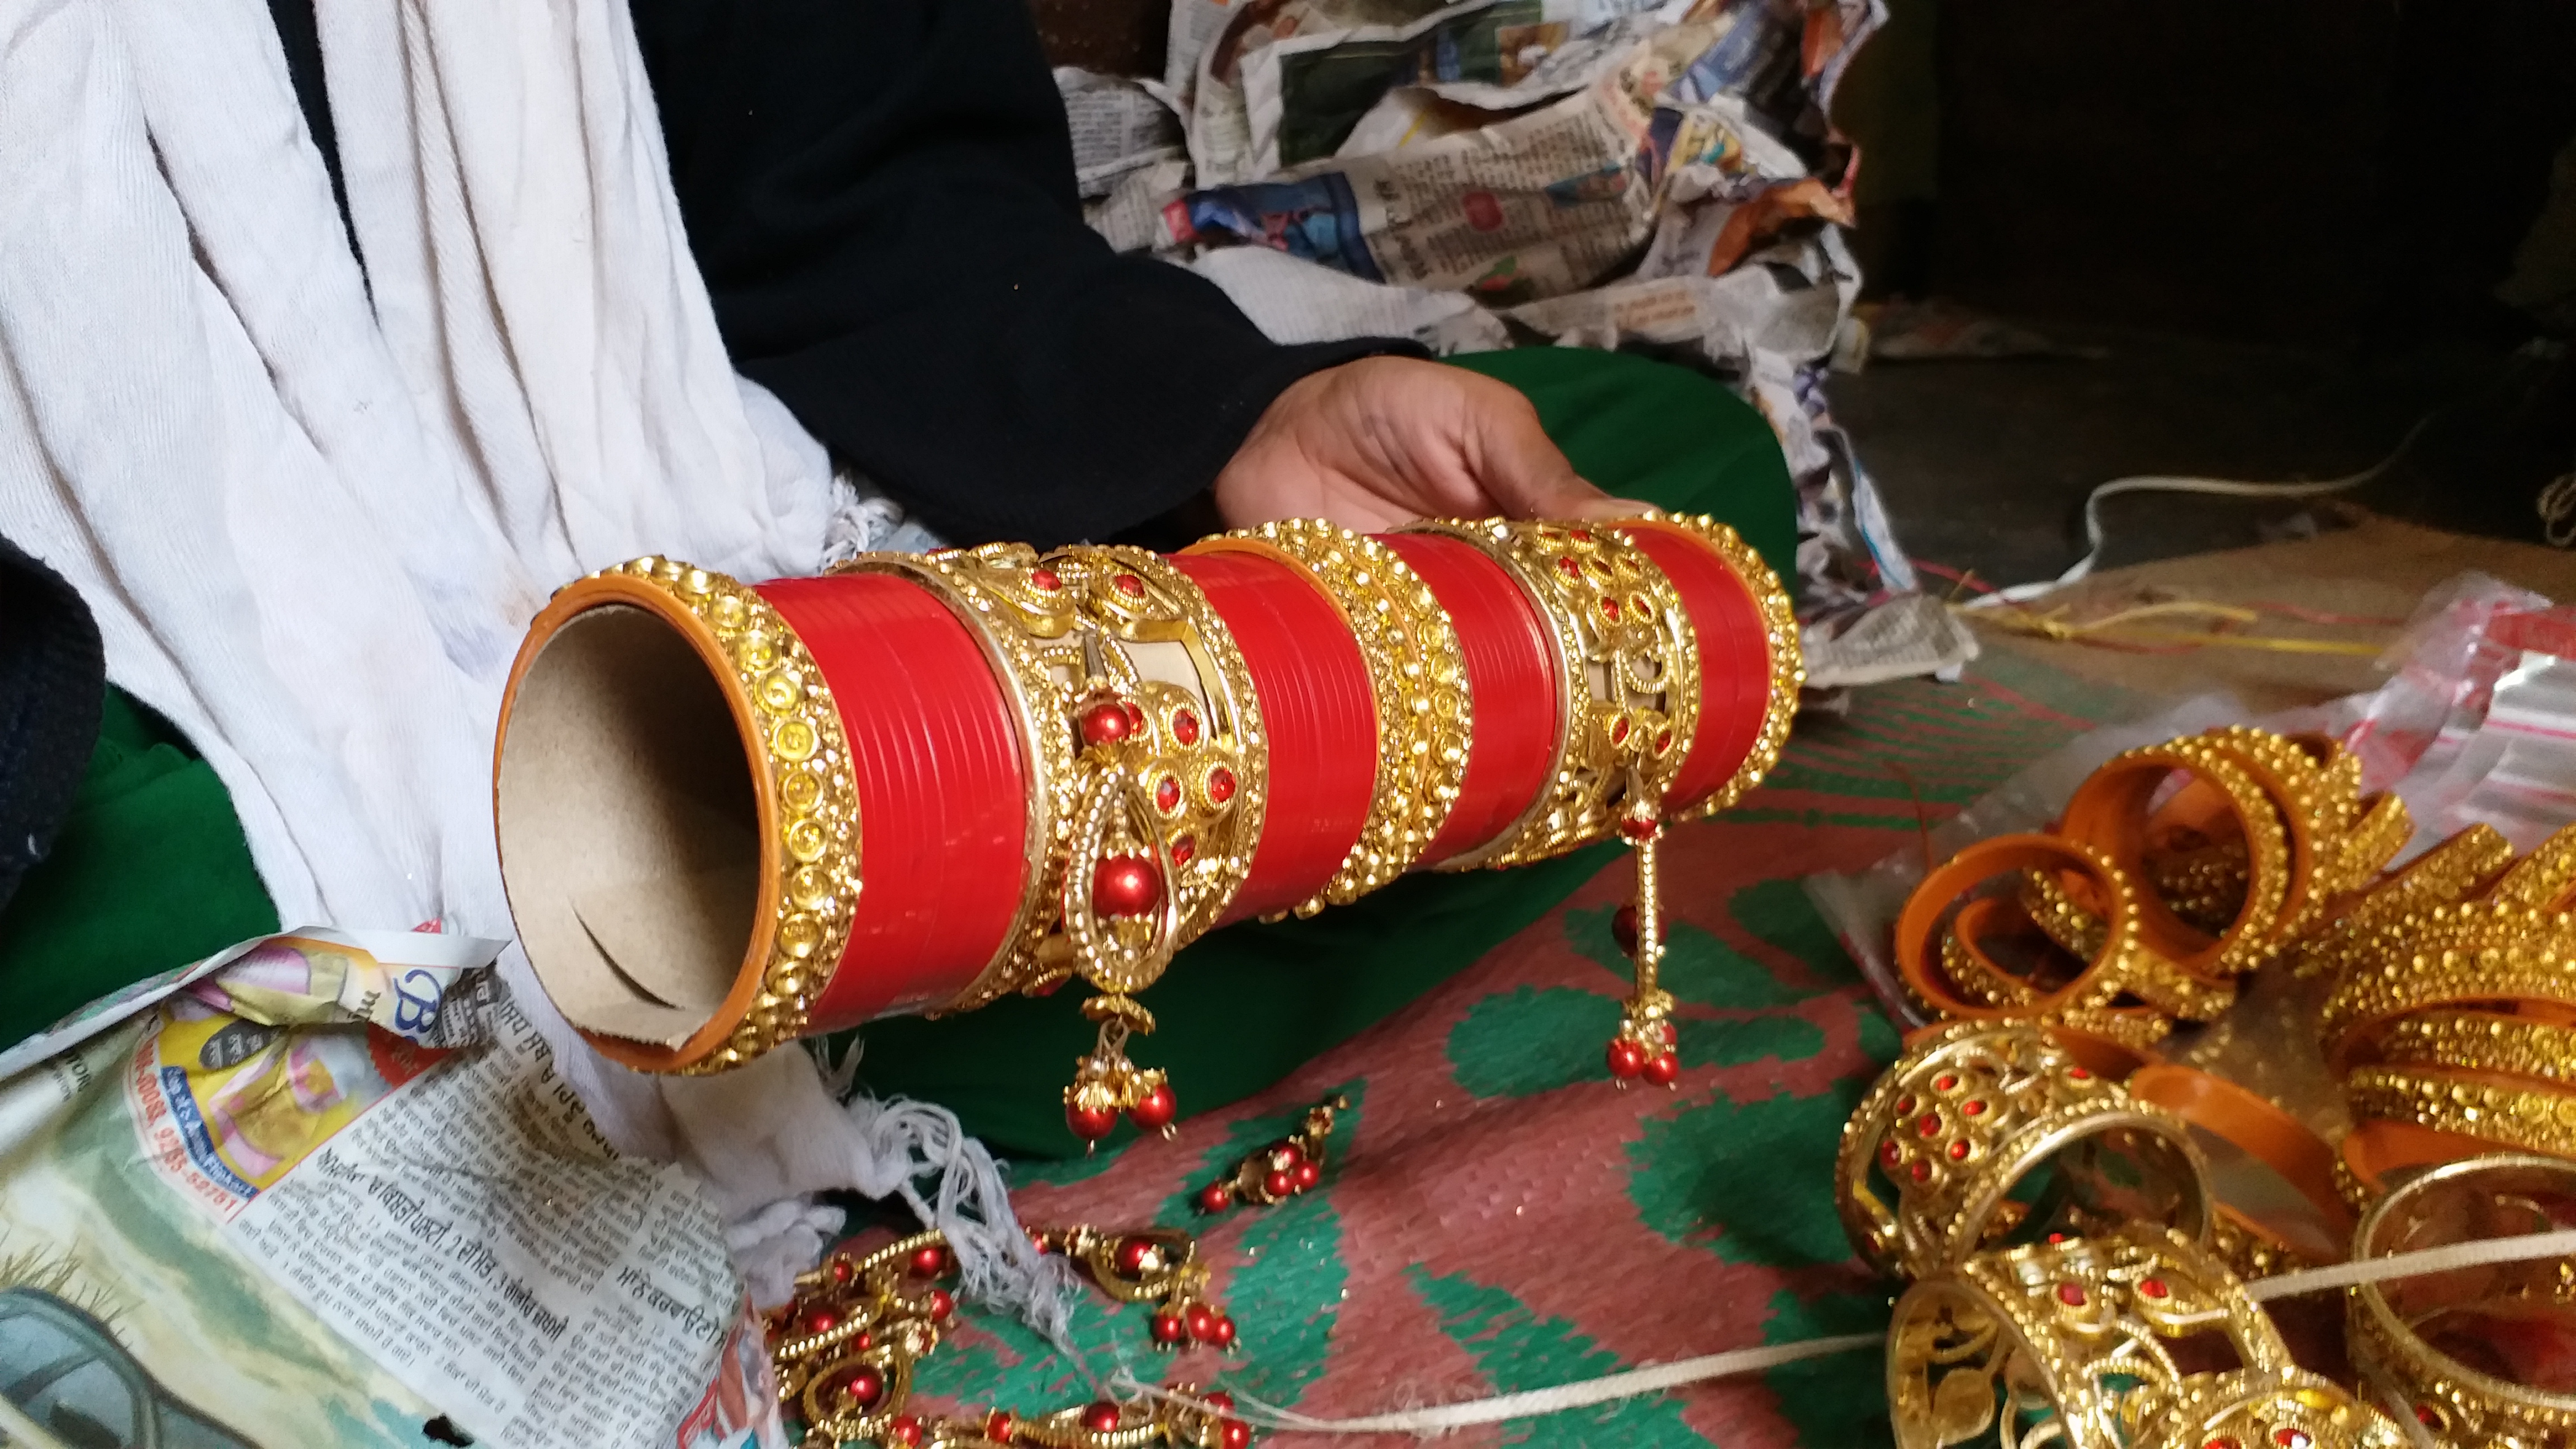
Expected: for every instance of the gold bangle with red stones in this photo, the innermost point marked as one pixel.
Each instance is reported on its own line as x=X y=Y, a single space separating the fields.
x=2079 y=1334
x=1628 y=672
x=2492 y=1197
x=1969 y=1111
x=845 y=1345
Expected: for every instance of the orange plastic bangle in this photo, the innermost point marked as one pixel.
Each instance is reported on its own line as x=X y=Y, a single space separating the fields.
x=2254 y=1126
x=2109 y=812
x=1919 y=925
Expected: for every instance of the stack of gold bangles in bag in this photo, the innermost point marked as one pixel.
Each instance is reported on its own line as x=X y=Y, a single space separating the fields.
x=2079 y=1217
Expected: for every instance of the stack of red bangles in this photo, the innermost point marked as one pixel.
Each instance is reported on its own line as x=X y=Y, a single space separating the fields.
x=731 y=815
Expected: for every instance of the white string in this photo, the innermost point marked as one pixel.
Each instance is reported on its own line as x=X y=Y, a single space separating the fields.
x=1635 y=1383
x=2094 y=536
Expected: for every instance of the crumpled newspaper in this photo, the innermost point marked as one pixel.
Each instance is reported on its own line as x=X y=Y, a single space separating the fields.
x=1491 y=173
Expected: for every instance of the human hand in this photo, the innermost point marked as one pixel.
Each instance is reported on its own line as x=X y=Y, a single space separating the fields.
x=1383 y=441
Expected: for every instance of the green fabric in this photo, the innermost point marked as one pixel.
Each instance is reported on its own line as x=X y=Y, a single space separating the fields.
x=150 y=872
x=1249 y=1004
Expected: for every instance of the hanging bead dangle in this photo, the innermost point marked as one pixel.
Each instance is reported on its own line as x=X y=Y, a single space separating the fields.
x=1643 y=1048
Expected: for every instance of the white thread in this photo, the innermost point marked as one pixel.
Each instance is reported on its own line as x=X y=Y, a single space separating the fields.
x=1635 y=1383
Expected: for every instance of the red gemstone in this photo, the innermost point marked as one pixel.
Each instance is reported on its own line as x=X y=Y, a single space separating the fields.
x=1136 y=1256
x=1125 y=885
x=1185 y=726
x=841 y=1270
x=864 y=1387
x=1922 y=1171
x=1045 y=581
x=1279 y=1184
x=1224 y=1331
x=1928 y=1124
x=2055 y=1238
x=1185 y=849
x=1105 y=723
x=1890 y=1154
x=1215 y=1198
x=1663 y=741
x=2289 y=1438
x=1167 y=794
x=1637 y=827
x=2221 y=1442
x=2428 y=1416
x=1130 y=585
x=1627 y=1059
x=1156 y=1109
x=1581 y=535
x=1958 y=1150
x=2154 y=1288
x=1569 y=568
x=821 y=1320
x=1168 y=1328
x=1945 y=1081
x=1135 y=716
x=941 y=1305
x=1663 y=1069
x=1976 y=1107
x=2078 y=1074
x=930 y=1262
x=1202 y=1322
x=1623 y=929
x=1905 y=1104
x=1220 y=785
x=1101 y=1417
x=1091 y=1123
x=1619 y=730
x=1234 y=1434
x=2071 y=1294
x=905 y=1430
x=1308 y=1174
x=1610 y=610
x=1220 y=1398
x=999 y=1425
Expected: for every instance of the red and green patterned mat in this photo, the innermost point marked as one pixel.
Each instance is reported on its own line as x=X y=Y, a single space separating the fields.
x=1496 y=1217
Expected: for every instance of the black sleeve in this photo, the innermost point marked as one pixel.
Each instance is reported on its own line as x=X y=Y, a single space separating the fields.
x=880 y=195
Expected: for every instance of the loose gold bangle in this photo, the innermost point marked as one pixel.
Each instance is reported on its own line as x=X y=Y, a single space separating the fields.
x=2108 y=812
x=2147 y=976
x=1788 y=662
x=2464 y=1406
x=2448 y=873
x=1417 y=680
x=2480 y=1041
x=2466 y=1104
x=1969 y=1111
x=2448 y=968
x=1628 y=667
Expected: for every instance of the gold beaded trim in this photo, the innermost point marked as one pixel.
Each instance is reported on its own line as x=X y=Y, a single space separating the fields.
x=2480 y=1041
x=2142 y=973
x=2542 y=880
x=2537 y=1119
x=2249 y=1251
x=1788 y=662
x=2441 y=976
x=2448 y=873
x=817 y=823
x=1417 y=680
x=1630 y=679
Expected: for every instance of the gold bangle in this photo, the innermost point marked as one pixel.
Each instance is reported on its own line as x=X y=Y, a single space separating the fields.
x=2545 y=879
x=1417 y=680
x=1628 y=667
x=2448 y=966
x=2107 y=812
x=2450 y=872
x=2147 y=976
x=1969 y=1111
x=2079 y=1335
x=2480 y=1041
x=2466 y=1407
x=1788 y=663
x=2466 y=1104
x=2319 y=800
x=2374 y=840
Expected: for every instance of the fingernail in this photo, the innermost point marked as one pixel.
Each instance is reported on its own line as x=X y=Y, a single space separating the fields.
x=1616 y=508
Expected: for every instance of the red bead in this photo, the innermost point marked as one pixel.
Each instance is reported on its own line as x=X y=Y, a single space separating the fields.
x=1639 y=827
x=2071 y=1294
x=905 y=1430
x=1168 y=1328
x=1663 y=1069
x=1156 y=1109
x=1234 y=1434
x=2078 y=1074
x=2056 y=1238
x=1046 y=581
x=1104 y=723
x=821 y=1320
x=930 y=1262
x=1215 y=1198
x=1890 y=1154
x=1167 y=794
x=1623 y=929
x=1202 y=1322
x=1224 y=1331
x=941 y=1305
x=1945 y=1081
x=864 y=1387
x=1288 y=1154
x=2289 y=1438
x=1090 y=1123
x=2428 y=1416
x=1928 y=1124
x=1279 y=1184
x=2221 y=1442
x=1308 y=1174
x=2153 y=1288
x=1128 y=584
x=1958 y=1151
x=1135 y=716
x=1101 y=1418
x=1125 y=885
x=841 y=1270
x=1921 y=1171
x=1220 y=1399
x=1220 y=785
x=999 y=1425
x=1664 y=1033
x=1905 y=1104
x=1185 y=726
x=1138 y=1256
x=1627 y=1059
x=1185 y=849
x=1976 y=1107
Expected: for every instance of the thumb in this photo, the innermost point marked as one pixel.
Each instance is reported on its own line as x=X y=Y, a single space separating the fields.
x=1522 y=470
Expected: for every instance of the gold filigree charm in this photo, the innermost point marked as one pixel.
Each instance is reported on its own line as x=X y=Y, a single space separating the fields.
x=1106 y=1083
x=1284 y=1169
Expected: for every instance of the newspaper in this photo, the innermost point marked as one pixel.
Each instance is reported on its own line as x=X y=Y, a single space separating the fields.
x=1119 y=126
x=327 y=1189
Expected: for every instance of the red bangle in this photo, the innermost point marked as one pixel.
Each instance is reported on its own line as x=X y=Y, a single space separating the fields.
x=1734 y=656
x=1316 y=709
x=1510 y=671
x=939 y=761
